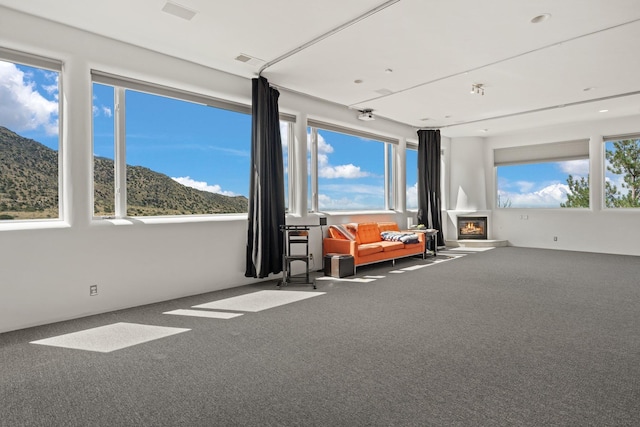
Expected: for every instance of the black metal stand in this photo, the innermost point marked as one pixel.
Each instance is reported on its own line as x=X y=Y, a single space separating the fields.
x=295 y=236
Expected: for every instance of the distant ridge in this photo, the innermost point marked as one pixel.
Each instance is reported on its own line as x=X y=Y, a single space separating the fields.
x=29 y=186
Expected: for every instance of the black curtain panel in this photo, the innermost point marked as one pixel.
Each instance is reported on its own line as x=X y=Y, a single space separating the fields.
x=266 y=189
x=429 y=212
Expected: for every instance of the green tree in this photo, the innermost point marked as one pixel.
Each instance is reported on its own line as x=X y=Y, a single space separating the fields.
x=611 y=195
x=578 y=195
x=624 y=160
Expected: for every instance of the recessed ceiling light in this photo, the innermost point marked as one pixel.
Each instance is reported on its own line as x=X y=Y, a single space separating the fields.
x=603 y=111
x=179 y=11
x=540 y=18
x=358 y=81
x=388 y=71
x=384 y=91
x=425 y=119
x=483 y=130
x=587 y=89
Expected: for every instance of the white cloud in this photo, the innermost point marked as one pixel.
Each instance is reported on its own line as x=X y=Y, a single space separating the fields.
x=575 y=167
x=525 y=186
x=23 y=107
x=341 y=171
x=353 y=197
x=201 y=185
x=102 y=110
x=548 y=197
x=343 y=203
x=284 y=135
x=326 y=170
x=412 y=196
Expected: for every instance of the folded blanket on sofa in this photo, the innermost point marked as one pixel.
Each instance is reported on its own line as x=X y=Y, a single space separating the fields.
x=398 y=236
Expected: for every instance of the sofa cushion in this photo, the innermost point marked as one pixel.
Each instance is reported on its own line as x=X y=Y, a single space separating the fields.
x=368 y=232
x=369 y=248
x=341 y=231
x=397 y=236
x=388 y=226
x=391 y=246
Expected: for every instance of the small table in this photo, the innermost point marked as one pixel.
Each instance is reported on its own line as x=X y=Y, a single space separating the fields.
x=293 y=235
x=431 y=234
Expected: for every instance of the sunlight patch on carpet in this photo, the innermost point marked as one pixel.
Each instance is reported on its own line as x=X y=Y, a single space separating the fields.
x=365 y=279
x=202 y=313
x=468 y=249
x=258 y=301
x=105 y=339
x=415 y=267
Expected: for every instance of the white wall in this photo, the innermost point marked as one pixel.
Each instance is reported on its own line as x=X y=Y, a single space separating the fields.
x=467 y=190
x=46 y=269
x=590 y=230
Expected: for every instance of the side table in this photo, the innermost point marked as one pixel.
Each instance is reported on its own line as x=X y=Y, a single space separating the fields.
x=430 y=234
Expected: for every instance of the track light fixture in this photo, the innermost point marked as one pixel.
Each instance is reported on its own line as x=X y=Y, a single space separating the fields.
x=477 y=88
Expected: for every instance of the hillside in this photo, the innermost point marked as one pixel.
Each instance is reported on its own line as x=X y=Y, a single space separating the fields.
x=29 y=186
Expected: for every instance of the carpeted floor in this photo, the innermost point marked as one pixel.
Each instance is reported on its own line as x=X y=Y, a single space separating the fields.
x=504 y=337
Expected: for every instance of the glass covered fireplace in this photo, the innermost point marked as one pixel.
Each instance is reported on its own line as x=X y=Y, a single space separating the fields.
x=472 y=227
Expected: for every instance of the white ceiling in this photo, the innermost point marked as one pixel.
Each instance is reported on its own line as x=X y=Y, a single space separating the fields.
x=535 y=75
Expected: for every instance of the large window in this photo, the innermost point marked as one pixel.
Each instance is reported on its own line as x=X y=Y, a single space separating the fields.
x=29 y=137
x=350 y=170
x=412 y=177
x=543 y=176
x=169 y=152
x=622 y=172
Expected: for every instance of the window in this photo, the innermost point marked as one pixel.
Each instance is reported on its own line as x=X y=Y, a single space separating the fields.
x=412 y=177
x=29 y=137
x=543 y=176
x=352 y=171
x=103 y=150
x=169 y=152
x=286 y=131
x=622 y=171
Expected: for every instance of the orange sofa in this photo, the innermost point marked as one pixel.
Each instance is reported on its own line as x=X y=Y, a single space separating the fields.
x=372 y=242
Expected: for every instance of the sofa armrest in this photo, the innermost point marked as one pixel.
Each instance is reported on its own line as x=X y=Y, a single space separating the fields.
x=339 y=246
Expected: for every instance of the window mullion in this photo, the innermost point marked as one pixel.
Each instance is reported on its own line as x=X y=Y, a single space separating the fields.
x=314 y=170
x=120 y=162
x=387 y=177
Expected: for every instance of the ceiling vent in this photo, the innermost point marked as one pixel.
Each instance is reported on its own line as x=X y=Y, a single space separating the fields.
x=248 y=59
x=179 y=11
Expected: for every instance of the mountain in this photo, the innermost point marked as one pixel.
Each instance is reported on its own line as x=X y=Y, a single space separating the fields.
x=29 y=186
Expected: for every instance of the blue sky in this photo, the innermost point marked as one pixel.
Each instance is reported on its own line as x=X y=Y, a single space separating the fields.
x=538 y=185
x=209 y=148
x=29 y=102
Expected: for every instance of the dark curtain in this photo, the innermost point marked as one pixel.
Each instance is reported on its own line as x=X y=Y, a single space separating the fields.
x=429 y=212
x=266 y=189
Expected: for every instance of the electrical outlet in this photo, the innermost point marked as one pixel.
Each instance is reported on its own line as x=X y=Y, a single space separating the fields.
x=555 y=238
x=311 y=257
x=93 y=290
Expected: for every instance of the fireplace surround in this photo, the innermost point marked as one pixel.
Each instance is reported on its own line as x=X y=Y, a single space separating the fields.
x=472 y=227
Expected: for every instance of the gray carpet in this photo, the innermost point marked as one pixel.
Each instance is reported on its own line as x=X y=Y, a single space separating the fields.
x=507 y=337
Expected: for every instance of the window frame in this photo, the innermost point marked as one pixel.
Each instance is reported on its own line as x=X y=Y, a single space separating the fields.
x=389 y=145
x=412 y=146
x=605 y=140
x=48 y=64
x=120 y=85
x=546 y=153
